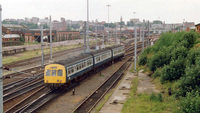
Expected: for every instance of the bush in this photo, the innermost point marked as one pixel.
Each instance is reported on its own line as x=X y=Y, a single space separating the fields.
x=190 y=103
x=174 y=71
x=190 y=37
x=179 y=52
x=157 y=73
x=190 y=82
x=159 y=59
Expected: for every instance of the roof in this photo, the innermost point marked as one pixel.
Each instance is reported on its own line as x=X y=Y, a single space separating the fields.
x=14 y=26
x=100 y=51
x=11 y=36
x=197 y=24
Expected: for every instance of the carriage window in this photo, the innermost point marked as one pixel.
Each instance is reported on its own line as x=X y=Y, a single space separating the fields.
x=53 y=72
x=69 y=71
x=48 y=72
x=59 y=72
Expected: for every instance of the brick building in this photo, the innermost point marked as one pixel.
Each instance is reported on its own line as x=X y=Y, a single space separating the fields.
x=34 y=35
x=67 y=35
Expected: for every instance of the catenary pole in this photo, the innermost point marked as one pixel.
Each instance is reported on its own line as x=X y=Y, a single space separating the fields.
x=50 y=39
x=85 y=37
x=1 y=71
x=88 y=49
x=108 y=22
x=96 y=35
x=143 y=36
x=148 y=32
x=116 y=35
x=42 y=45
x=135 y=46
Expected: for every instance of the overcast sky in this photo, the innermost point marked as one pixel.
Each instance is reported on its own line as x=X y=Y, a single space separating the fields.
x=170 y=11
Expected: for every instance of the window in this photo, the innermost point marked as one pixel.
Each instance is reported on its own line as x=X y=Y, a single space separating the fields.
x=53 y=72
x=48 y=72
x=59 y=72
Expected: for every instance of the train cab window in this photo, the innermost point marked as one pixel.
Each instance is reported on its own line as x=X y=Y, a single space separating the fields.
x=53 y=72
x=59 y=72
x=48 y=72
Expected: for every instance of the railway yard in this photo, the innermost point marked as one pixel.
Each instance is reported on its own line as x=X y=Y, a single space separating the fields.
x=25 y=93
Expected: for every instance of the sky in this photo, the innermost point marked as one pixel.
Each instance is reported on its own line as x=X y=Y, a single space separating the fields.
x=170 y=11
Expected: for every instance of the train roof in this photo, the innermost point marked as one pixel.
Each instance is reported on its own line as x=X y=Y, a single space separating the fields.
x=116 y=46
x=100 y=51
x=78 y=58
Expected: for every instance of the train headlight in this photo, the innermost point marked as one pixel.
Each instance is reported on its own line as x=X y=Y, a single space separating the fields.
x=47 y=81
x=57 y=80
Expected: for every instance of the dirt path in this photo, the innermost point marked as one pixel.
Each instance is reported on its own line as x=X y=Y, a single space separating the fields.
x=145 y=84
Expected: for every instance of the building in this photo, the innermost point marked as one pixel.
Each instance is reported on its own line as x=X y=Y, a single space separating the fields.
x=67 y=35
x=187 y=25
x=35 y=35
x=197 y=28
x=60 y=26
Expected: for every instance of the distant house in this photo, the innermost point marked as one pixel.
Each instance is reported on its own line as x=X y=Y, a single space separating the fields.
x=197 y=28
x=188 y=25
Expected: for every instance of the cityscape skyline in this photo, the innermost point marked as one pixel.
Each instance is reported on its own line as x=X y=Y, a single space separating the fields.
x=178 y=10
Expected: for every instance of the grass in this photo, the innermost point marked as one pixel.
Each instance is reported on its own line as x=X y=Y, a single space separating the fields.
x=35 y=53
x=150 y=103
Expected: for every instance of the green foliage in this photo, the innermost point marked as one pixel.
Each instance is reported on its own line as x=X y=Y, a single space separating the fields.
x=157 y=73
x=159 y=59
x=156 y=97
x=143 y=56
x=173 y=71
x=190 y=82
x=179 y=52
x=190 y=103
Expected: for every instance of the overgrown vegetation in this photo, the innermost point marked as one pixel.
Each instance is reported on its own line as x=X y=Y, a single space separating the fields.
x=175 y=58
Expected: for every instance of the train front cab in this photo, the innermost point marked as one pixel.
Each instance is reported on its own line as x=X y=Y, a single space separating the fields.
x=54 y=73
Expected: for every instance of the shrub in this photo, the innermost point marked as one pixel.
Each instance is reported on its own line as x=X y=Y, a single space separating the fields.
x=190 y=37
x=174 y=71
x=190 y=82
x=159 y=59
x=190 y=103
x=179 y=52
x=157 y=73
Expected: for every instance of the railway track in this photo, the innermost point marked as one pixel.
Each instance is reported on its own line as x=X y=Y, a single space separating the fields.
x=30 y=104
x=88 y=104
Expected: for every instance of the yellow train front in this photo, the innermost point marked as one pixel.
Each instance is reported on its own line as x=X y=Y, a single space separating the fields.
x=55 y=75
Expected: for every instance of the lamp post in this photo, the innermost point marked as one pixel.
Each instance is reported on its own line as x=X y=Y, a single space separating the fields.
x=108 y=20
x=50 y=39
x=88 y=49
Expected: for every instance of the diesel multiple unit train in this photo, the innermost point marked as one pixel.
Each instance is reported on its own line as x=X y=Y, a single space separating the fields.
x=65 y=71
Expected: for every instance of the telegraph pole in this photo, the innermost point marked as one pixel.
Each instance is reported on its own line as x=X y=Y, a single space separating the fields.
x=143 y=37
x=88 y=49
x=42 y=45
x=108 y=22
x=50 y=39
x=135 y=46
x=1 y=70
x=116 y=35
x=148 y=33
x=84 y=37
x=96 y=35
